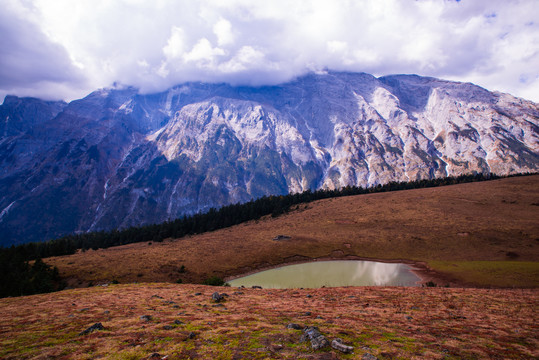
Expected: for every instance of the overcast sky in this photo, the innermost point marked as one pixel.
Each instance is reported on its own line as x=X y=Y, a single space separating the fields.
x=64 y=49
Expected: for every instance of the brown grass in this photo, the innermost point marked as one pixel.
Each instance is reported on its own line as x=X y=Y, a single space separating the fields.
x=494 y=222
x=390 y=323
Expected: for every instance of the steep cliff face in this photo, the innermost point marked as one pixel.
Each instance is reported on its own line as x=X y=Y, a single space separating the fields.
x=117 y=158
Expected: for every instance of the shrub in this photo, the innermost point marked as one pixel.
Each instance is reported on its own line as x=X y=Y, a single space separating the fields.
x=214 y=281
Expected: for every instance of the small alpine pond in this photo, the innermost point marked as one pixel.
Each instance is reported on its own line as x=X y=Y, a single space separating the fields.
x=332 y=274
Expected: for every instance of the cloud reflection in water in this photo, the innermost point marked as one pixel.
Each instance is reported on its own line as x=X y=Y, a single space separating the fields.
x=330 y=274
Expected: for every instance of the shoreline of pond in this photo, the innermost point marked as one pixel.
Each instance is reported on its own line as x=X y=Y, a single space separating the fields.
x=419 y=268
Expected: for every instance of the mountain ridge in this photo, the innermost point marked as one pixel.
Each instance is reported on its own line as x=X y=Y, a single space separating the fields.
x=117 y=158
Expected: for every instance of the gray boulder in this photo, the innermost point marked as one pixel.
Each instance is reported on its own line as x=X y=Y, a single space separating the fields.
x=318 y=341
x=338 y=345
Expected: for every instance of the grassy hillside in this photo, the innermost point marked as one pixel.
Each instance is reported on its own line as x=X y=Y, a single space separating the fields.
x=478 y=234
x=183 y=323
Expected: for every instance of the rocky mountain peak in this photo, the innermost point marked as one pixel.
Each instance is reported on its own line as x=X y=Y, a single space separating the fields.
x=119 y=158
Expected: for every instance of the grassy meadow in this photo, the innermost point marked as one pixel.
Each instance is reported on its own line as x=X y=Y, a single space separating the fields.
x=183 y=323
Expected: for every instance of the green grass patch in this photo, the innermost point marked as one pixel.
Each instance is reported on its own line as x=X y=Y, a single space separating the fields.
x=395 y=338
x=254 y=340
x=163 y=340
x=496 y=273
x=128 y=355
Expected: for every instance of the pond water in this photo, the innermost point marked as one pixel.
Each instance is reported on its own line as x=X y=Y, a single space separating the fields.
x=331 y=274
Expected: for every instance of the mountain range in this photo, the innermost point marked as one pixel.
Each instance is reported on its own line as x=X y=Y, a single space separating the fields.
x=119 y=158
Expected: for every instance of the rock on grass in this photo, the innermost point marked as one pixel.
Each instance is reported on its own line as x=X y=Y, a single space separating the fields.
x=318 y=341
x=338 y=345
x=94 y=327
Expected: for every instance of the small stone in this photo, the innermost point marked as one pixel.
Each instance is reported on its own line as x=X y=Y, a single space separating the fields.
x=154 y=356
x=338 y=345
x=198 y=293
x=275 y=347
x=294 y=326
x=256 y=287
x=216 y=297
x=94 y=327
x=167 y=327
x=191 y=335
x=308 y=313
x=156 y=296
x=178 y=322
x=237 y=293
x=309 y=296
x=84 y=309
x=146 y=318
x=409 y=318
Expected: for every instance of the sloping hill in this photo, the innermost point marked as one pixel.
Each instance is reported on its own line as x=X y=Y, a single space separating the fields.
x=478 y=234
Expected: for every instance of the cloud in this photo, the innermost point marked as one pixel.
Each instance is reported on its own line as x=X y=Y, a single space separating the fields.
x=223 y=31
x=30 y=63
x=86 y=44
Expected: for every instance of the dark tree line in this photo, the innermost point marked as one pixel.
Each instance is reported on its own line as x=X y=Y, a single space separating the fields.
x=14 y=260
x=19 y=277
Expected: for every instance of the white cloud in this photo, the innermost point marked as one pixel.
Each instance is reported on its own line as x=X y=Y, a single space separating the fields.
x=76 y=45
x=203 y=54
x=175 y=44
x=246 y=57
x=223 y=31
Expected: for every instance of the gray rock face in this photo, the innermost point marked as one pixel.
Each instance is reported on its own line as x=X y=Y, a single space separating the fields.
x=118 y=158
